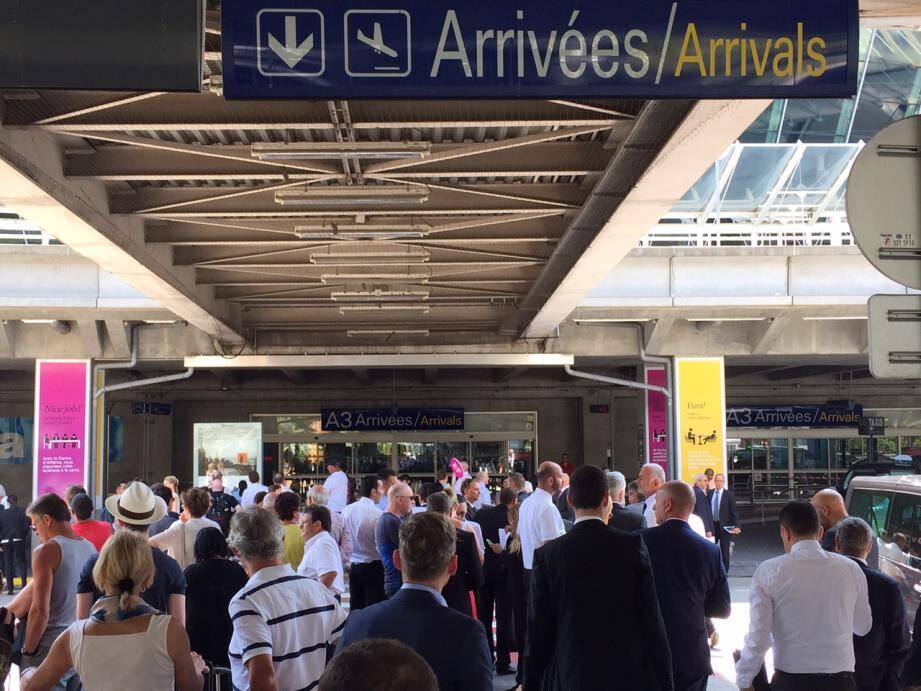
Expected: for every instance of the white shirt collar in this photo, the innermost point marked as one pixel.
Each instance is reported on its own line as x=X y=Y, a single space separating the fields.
x=543 y=493
x=650 y=501
x=806 y=546
x=270 y=573
x=317 y=538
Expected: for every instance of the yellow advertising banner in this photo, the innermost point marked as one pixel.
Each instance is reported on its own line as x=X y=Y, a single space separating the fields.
x=700 y=416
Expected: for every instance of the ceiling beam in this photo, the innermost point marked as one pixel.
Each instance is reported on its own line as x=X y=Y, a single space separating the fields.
x=487 y=147
x=34 y=186
x=656 y=333
x=669 y=147
x=767 y=333
x=296 y=376
x=362 y=375
x=119 y=334
x=7 y=338
x=812 y=371
x=91 y=337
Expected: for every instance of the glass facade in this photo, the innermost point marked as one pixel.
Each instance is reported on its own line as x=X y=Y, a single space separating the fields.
x=786 y=176
x=795 y=463
x=496 y=442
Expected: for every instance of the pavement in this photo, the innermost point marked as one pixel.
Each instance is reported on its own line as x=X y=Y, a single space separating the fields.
x=755 y=544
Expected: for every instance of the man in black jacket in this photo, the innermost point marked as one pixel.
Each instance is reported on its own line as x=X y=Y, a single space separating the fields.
x=15 y=539
x=691 y=584
x=492 y=519
x=594 y=574
x=725 y=515
x=469 y=575
x=621 y=517
x=701 y=505
x=878 y=656
x=453 y=645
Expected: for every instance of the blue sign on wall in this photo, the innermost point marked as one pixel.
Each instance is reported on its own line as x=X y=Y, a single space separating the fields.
x=793 y=416
x=391 y=419
x=543 y=49
x=15 y=440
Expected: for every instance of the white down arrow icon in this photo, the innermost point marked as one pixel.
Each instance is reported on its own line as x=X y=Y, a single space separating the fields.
x=291 y=52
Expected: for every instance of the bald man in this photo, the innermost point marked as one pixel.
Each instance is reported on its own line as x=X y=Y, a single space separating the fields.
x=831 y=509
x=650 y=479
x=690 y=582
x=539 y=522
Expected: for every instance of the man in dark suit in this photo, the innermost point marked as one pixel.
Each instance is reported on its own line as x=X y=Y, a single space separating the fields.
x=15 y=539
x=832 y=510
x=591 y=575
x=562 y=501
x=454 y=645
x=725 y=515
x=690 y=583
x=701 y=504
x=469 y=574
x=879 y=655
x=494 y=591
x=622 y=518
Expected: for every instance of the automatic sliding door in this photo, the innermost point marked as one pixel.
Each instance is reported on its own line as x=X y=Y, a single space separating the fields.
x=416 y=459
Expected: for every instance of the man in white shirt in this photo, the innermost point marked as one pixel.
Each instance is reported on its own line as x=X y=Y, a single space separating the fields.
x=462 y=513
x=485 y=499
x=254 y=488
x=539 y=522
x=337 y=484
x=650 y=479
x=321 y=553
x=806 y=604
x=366 y=579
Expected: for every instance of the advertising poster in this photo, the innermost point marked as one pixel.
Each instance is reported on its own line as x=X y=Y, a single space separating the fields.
x=656 y=420
x=62 y=425
x=234 y=448
x=15 y=440
x=700 y=405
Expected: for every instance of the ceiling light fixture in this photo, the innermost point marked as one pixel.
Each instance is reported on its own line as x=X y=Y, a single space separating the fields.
x=362 y=258
x=384 y=307
x=305 y=151
x=351 y=333
x=357 y=231
x=398 y=278
x=835 y=319
x=379 y=294
x=353 y=194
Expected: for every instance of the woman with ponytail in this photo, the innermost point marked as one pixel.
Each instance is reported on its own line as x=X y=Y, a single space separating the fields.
x=125 y=643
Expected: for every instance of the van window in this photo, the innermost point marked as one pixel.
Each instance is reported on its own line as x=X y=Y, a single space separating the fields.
x=905 y=523
x=873 y=507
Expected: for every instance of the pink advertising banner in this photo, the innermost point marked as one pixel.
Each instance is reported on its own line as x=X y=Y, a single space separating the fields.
x=62 y=425
x=656 y=420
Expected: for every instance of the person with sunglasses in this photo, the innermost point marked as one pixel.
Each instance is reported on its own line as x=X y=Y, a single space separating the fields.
x=387 y=533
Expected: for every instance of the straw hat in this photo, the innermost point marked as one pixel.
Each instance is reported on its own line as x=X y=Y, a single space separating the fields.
x=137 y=505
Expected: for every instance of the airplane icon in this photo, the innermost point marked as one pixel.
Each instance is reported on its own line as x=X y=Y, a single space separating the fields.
x=376 y=42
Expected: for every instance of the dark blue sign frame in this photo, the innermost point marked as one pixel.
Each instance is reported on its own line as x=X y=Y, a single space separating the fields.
x=547 y=49
x=824 y=416
x=391 y=419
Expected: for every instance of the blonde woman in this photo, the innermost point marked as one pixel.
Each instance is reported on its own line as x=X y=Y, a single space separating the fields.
x=125 y=643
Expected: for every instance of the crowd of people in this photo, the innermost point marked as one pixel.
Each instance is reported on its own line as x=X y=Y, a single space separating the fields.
x=587 y=582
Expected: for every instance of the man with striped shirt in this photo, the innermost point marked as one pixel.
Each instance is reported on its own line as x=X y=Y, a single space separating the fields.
x=283 y=623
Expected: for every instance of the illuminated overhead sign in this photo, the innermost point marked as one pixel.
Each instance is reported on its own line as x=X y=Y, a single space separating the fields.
x=569 y=49
x=391 y=419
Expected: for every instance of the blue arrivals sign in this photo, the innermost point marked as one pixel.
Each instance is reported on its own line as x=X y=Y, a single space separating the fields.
x=793 y=416
x=540 y=49
x=391 y=419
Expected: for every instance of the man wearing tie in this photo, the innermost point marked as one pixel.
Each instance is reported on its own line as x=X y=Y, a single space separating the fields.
x=725 y=516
